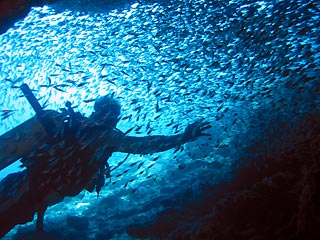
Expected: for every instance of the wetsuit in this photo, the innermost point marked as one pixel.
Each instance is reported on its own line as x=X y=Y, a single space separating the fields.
x=65 y=166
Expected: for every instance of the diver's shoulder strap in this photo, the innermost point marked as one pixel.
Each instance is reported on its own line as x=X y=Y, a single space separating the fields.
x=46 y=122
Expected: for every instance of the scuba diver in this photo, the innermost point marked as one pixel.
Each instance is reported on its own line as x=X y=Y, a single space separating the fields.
x=73 y=157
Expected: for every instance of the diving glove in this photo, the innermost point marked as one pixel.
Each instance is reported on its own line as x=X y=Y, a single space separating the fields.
x=195 y=130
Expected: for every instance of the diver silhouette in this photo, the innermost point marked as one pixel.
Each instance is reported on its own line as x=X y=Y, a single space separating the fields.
x=73 y=158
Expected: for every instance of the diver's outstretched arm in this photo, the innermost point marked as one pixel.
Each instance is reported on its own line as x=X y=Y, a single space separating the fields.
x=153 y=144
x=149 y=144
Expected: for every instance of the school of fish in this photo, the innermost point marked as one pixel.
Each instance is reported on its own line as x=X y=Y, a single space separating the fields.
x=169 y=63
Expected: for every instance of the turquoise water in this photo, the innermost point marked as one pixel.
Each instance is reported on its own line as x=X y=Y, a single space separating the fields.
x=252 y=70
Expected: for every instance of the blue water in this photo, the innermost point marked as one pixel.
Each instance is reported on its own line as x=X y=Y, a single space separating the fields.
x=251 y=69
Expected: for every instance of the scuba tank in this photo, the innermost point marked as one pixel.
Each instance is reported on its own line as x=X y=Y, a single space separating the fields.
x=27 y=136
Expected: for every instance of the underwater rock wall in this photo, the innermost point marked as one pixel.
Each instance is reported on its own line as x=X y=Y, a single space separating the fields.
x=273 y=195
x=12 y=11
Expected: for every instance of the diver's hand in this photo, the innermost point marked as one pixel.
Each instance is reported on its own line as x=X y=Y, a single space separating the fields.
x=195 y=130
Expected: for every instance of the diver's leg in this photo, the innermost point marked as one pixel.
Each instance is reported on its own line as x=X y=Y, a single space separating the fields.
x=39 y=226
x=16 y=201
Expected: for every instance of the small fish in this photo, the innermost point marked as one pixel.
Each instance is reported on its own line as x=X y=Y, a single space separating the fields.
x=151 y=165
x=148 y=125
x=74 y=83
x=118 y=175
x=139 y=166
x=177 y=149
x=49 y=81
x=62 y=85
x=89 y=100
x=219 y=108
x=6 y=113
x=127 y=117
x=169 y=124
x=149 y=85
x=45 y=104
x=138 y=109
x=120 y=163
x=132 y=164
x=122 y=71
x=59 y=89
x=156 y=117
x=157 y=92
x=82 y=84
x=134 y=190
x=156 y=158
x=129 y=130
x=134 y=101
x=158 y=109
x=181 y=166
x=138 y=128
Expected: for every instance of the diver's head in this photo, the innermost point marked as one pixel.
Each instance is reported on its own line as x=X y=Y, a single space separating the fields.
x=107 y=111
